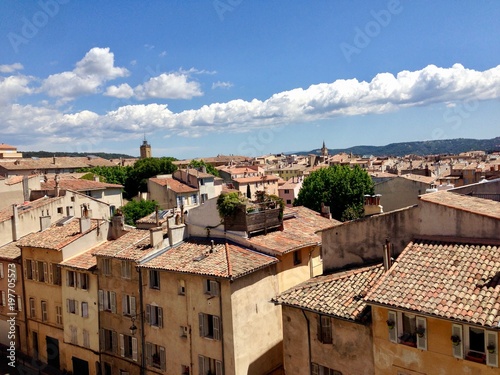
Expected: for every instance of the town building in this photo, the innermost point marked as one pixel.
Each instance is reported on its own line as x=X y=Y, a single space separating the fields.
x=289 y=191
x=9 y=152
x=145 y=150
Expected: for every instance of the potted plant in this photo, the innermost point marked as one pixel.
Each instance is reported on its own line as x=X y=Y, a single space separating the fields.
x=390 y=323
x=456 y=340
x=491 y=348
x=420 y=331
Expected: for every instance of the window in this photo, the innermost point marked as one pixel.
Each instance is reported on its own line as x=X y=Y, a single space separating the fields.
x=184 y=331
x=154 y=279
x=19 y=304
x=107 y=369
x=211 y=287
x=209 y=366
x=106 y=266
x=83 y=281
x=184 y=370
x=481 y=345
x=29 y=269
x=59 y=319
x=32 y=308
x=126 y=269
x=1 y=270
x=155 y=356
x=288 y=201
x=74 y=335
x=204 y=198
x=128 y=347
x=107 y=301
x=194 y=199
x=287 y=191
x=72 y=306
x=407 y=329
x=44 y=311
x=209 y=326
x=324 y=329
x=86 y=338
x=55 y=274
x=154 y=315
x=128 y=305
x=108 y=340
x=85 y=310
x=297 y=258
x=71 y=278
x=4 y=298
x=59 y=210
x=182 y=288
x=322 y=370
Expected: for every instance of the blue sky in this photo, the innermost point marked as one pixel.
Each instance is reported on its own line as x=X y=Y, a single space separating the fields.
x=208 y=77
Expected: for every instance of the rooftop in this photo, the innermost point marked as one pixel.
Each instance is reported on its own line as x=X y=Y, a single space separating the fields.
x=79 y=185
x=173 y=185
x=298 y=231
x=10 y=251
x=83 y=261
x=457 y=281
x=132 y=245
x=56 y=236
x=339 y=294
x=484 y=207
x=59 y=162
x=226 y=260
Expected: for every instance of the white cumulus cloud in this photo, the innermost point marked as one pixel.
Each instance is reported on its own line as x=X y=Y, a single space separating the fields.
x=168 y=86
x=124 y=91
x=11 y=68
x=222 y=85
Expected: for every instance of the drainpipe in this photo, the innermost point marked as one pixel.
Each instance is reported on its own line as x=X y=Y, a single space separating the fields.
x=221 y=330
x=15 y=220
x=308 y=338
x=141 y=314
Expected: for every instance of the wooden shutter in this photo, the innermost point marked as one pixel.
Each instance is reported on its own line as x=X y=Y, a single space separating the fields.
x=78 y=281
x=214 y=288
x=148 y=314
x=201 y=365
x=163 y=358
x=76 y=306
x=124 y=304
x=393 y=333
x=122 y=345
x=149 y=354
x=160 y=316
x=3 y=298
x=314 y=369
x=422 y=341
x=51 y=273
x=202 y=324
x=492 y=358
x=85 y=310
x=134 y=348
x=34 y=266
x=101 y=300
x=67 y=305
x=19 y=304
x=326 y=329
x=102 y=340
x=113 y=302
x=114 y=342
x=45 y=272
x=216 y=325
x=458 y=350
x=26 y=269
x=218 y=368
x=132 y=306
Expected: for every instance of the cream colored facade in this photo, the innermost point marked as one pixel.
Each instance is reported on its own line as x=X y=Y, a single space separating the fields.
x=438 y=357
x=250 y=326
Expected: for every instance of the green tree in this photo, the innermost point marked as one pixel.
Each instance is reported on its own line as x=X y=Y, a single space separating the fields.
x=134 y=210
x=200 y=163
x=137 y=177
x=111 y=175
x=340 y=187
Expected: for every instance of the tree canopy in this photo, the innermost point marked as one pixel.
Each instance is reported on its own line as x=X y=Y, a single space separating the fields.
x=340 y=187
x=137 y=178
x=200 y=163
x=135 y=210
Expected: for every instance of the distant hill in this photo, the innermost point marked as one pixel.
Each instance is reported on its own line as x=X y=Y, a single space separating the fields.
x=447 y=146
x=48 y=154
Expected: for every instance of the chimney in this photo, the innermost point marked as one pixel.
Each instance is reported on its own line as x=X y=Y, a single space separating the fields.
x=156 y=237
x=211 y=246
x=325 y=211
x=117 y=227
x=53 y=159
x=44 y=222
x=157 y=217
x=85 y=219
x=372 y=205
x=387 y=254
x=15 y=221
x=57 y=189
x=96 y=178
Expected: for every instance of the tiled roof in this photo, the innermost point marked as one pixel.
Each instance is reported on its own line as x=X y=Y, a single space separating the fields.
x=56 y=236
x=5 y=146
x=193 y=256
x=339 y=294
x=79 y=185
x=298 y=231
x=163 y=216
x=457 y=281
x=26 y=207
x=173 y=185
x=60 y=162
x=474 y=205
x=132 y=245
x=419 y=178
x=10 y=251
x=246 y=180
x=17 y=179
x=83 y=261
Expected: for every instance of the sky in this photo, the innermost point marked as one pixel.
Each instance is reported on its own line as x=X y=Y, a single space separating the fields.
x=199 y=78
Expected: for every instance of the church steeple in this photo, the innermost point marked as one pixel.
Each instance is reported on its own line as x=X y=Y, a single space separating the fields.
x=145 y=149
x=324 y=150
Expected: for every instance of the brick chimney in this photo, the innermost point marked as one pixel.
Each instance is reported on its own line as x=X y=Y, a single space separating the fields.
x=116 y=227
x=85 y=219
x=156 y=237
x=387 y=254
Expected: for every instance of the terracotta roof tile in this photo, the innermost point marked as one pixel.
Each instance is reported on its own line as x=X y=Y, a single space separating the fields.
x=132 y=245
x=60 y=162
x=474 y=205
x=174 y=185
x=298 y=231
x=10 y=251
x=456 y=281
x=339 y=294
x=193 y=256
x=83 y=261
x=56 y=236
x=79 y=185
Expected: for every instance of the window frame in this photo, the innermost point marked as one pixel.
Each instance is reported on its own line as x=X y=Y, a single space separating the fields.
x=154 y=279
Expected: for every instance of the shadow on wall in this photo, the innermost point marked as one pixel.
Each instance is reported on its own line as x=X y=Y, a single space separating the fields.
x=269 y=363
